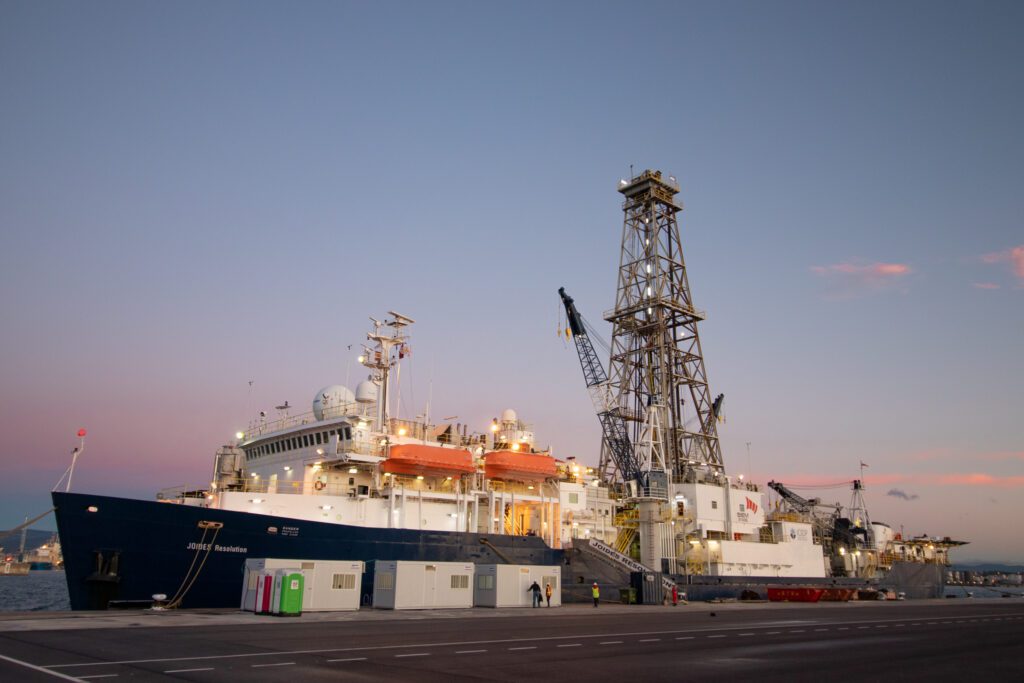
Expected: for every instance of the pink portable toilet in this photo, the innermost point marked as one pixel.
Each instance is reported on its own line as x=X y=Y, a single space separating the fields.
x=264 y=593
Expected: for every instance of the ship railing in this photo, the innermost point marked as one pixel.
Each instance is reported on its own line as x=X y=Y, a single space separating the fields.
x=285 y=420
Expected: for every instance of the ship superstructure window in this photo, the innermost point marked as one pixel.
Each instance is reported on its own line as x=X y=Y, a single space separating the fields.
x=714 y=505
x=318 y=438
x=574 y=498
x=460 y=581
x=344 y=582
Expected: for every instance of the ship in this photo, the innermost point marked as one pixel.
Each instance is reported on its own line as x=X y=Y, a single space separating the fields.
x=348 y=480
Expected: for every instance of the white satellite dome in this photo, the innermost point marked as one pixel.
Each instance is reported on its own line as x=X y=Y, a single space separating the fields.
x=508 y=415
x=329 y=401
x=366 y=392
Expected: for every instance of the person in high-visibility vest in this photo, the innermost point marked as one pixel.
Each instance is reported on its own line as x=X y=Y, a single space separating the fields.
x=596 y=592
x=547 y=593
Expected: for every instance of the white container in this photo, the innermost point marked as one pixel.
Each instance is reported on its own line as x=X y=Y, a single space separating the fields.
x=508 y=585
x=330 y=585
x=422 y=585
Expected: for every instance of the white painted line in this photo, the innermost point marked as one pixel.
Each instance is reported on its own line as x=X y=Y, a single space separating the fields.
x=185 y=671
x=685 y=638
x=772 y=633
x=610 y=642
x=350 y=659
x=571 y=645
x=797 y=631
x=746 y=634
x=261 y=666
x=415 y=654
x=819 y=630
x=900 y=625
x=468 y=652
x=531 y=647
x=649 y=640
x=55 y=674
x=717 y=636
x=844 y=628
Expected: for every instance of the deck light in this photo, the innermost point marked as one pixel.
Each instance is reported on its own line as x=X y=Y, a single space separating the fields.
x=287 y=468
x=361 y=359
x=256 y=500
x=402 y=431
x=239 y=435
x=325 y=507
x=515 y=446
x=353 y=470
x=419 y=477
x=361 y=424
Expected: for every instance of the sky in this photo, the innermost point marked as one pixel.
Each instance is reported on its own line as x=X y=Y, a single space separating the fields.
x=195 y=195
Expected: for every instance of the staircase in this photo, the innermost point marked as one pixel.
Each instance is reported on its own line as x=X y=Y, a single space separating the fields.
x=613 y=558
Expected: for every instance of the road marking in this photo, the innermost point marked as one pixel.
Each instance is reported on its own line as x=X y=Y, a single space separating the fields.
x=844 y=628
x=350 y=659
x=571 y=645
x=611 y=642
x=899 y=625
x=717 y=636
x=260 y=666
x=773 y=633
x=819 y=630
x=861 y=628
x=745 y=634
x=55 y=674
x=531 y=647
x=468 y=652
x=183 y=671
x=797 y=631
x=415 y=654
x=649 y=640
x=446 y=644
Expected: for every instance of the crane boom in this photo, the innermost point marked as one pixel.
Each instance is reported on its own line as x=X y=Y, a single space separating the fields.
x=799 y=503
x=613 y=424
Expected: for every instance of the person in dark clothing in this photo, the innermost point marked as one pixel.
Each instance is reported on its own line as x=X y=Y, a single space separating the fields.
x=536 y=593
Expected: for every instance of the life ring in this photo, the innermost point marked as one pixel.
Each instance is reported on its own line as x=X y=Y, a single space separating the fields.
x=319 y=486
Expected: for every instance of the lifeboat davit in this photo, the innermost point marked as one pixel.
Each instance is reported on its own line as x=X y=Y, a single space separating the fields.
x=410 y=458
x=519 y=466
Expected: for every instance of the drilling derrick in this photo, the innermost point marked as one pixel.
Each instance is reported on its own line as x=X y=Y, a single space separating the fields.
x=657 y=370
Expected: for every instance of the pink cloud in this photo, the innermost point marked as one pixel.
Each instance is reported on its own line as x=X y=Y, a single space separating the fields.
x=1013 y=256
x=851 y=278
x=980 y=479
x=984 y=285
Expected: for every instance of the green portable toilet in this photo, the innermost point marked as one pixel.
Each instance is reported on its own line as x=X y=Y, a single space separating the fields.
x=290 y=604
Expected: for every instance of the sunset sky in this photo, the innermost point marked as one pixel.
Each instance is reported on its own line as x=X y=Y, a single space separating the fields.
x=194 y=196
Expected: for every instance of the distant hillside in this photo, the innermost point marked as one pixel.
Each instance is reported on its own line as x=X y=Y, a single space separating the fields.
x=988 y=567
x=33 y=539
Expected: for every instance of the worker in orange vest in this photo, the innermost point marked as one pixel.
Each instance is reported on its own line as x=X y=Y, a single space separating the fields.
x=596 y=592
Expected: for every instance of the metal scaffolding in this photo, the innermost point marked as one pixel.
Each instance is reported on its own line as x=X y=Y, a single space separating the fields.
x=657 y=373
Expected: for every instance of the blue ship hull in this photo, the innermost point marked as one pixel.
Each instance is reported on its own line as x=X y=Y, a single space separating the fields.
x=118 y=550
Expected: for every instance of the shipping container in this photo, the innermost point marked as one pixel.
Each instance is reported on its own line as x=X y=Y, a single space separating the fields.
x=508 y=585
x=329 y=585
x=422 y=585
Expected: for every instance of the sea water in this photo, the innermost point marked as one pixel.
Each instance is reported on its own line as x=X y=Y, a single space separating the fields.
x=36 y=591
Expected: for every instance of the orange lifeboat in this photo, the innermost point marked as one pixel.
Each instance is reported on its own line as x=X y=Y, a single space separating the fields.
x=410 y=458
x=519 y=466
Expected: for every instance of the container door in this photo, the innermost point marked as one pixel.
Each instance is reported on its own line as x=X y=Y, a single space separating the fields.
x=430 y=586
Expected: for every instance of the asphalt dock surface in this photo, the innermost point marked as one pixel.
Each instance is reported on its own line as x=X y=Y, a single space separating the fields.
x=942 y=640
